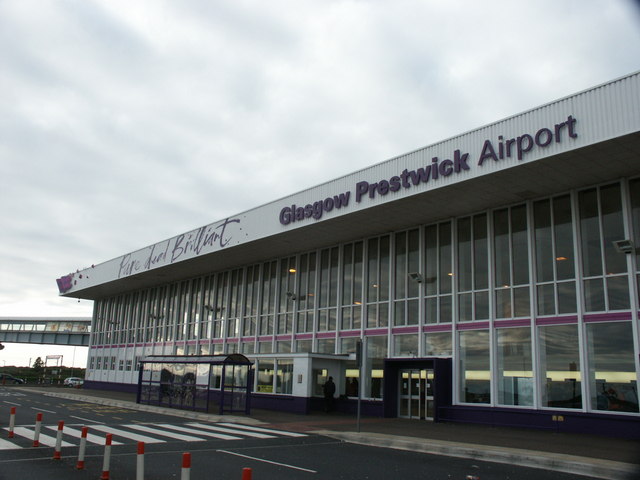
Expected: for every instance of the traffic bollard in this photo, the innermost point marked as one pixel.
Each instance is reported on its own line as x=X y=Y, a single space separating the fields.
x=83 y=446
x=36 y=433
x=246 y=474
x=140 y=462
x=12 y=421
x=107 y=457
x=186 y=466
x=56 y=450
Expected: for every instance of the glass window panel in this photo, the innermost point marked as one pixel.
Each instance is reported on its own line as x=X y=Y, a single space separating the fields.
x=445 y=249
x=480 y=252
x=284 y=379
x=501 y=246
x=520 y=245
x=401 y=265
x=413 y=261
x=563 y=229
x=465 y=312
x=482 y=305
x=464 y=255
x=374 y=366
x=560 y=366
x=612 y=372
x=437 y=344
x=474 y=367
x=413 y=315
x=431 y=310
x=618 y=292
x=612 y=228
x=265 y=374
x=304 y=346
x=567 y=297
x=405 y=345
x=431 y=260
x=594 y=295
x=634 y=188
x=514 y=365
x=327 y=345
x=544 y=250
x=521 y=303
x=503 y=303
x=446 y=313
x=398 y=317
x=590 y=233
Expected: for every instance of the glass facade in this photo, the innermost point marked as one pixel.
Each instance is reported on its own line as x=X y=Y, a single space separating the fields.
x=533 y=302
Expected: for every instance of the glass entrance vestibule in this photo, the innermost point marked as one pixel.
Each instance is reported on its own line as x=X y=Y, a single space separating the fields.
x=416 y=393
x=415 y=388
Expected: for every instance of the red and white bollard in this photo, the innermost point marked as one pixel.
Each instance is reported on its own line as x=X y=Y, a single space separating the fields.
x=36 y=433
x=83 y=446
x=56 y=450
x=246 y=474
x=186 y=466
x=107 y=457
x=12 y=421
x=140 y=462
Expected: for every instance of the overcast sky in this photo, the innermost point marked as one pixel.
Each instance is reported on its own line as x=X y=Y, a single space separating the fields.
x=123 y=123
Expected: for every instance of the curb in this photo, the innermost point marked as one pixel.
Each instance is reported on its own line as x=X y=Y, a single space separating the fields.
x=597 y=468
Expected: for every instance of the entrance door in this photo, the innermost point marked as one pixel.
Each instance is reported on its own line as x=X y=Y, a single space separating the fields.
x=416 y=394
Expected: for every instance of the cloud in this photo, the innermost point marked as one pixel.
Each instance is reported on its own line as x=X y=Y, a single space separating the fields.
x=126 y=123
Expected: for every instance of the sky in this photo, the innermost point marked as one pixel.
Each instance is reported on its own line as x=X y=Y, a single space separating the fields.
x=125 y=123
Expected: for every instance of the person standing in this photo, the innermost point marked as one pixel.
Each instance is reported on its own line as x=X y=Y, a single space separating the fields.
x=329 y=389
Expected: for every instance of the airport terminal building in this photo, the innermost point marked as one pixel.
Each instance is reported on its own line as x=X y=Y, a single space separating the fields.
x=492 y=277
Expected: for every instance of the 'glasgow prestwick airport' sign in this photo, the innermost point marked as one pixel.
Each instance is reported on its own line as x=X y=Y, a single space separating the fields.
x=516 y=147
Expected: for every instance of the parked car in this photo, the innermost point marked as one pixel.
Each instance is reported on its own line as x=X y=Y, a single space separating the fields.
x=5 y=379
x=73 y=382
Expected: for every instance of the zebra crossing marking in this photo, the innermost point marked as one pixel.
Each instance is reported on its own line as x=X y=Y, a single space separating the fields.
x=261 y=429
x=164 y=433
x=45 y=440
x=129 y=433
x=220 y=436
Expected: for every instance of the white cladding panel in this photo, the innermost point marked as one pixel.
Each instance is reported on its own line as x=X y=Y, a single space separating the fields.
x=602 y=113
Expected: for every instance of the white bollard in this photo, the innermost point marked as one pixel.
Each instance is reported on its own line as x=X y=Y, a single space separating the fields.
x=36 y=433
x=140 y=462
x=83 y=446
x=107 y=457
x=56 y=450
x=186 y=466
x=12 y=421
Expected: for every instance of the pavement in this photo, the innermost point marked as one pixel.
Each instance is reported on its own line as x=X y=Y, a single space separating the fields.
x=582 y=454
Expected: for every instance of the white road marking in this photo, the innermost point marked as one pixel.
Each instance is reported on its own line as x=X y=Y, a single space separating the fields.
x=260 y=429
x=43 y=439
x=228 y=430
x=267 y=461
x=175 y=436
x=90 y=436
x=125 y=434
x=221 y=436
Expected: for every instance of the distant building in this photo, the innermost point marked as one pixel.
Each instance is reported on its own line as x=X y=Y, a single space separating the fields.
x=491 y=277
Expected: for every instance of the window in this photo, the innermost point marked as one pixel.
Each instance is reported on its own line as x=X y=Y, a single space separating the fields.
x=407 y=291
x=475 y=378
x=378 y=279
x=511 y=254
x=438 y=273
x=352 y=286
x=560 y=366
x=473 y=269
x=514 y=366
x=606 y=286
x=612 y=371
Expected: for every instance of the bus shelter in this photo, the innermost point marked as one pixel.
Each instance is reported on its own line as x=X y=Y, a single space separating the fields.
x=209 y=383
